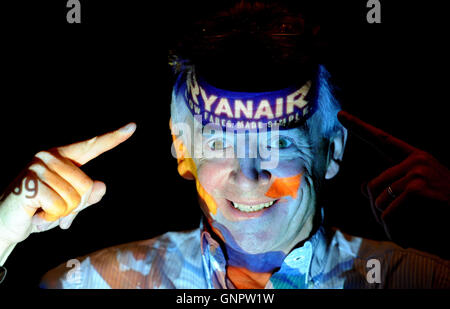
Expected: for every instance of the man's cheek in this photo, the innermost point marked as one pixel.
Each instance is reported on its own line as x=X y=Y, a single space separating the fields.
x=211 y=179
x=188 y=169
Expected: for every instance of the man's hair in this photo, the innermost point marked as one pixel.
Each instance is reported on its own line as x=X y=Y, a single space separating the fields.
x=256 y=46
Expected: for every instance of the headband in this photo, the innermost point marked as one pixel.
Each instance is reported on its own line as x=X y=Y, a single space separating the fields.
x=287 y=108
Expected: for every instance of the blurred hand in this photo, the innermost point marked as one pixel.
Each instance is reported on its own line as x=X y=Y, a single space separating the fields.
x=410 y=198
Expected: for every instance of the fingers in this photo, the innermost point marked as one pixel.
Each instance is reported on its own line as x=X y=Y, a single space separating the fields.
x=83 y=152
x=386 y=178
x=413 y=167
x=53 y=215
x=64 y=189
x=67 y=170
x=405 y=203
x=379 y=139
x=385 y=198
x=53 y=190
x=52 y=204
x=412 y=188
x=68 y=181
x=68 y=197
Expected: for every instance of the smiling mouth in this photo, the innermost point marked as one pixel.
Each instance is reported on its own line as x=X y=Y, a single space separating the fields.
x=252 y=208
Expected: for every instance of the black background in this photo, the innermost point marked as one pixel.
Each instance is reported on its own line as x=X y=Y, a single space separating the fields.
x=62 y=83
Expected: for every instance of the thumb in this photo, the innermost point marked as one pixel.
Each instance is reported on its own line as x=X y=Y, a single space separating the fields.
x=97 y=193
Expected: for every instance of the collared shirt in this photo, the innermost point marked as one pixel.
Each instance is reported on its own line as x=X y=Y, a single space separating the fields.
x=329 y=259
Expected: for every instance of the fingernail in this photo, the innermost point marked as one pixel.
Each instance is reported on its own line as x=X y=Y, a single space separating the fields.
x=128 y=128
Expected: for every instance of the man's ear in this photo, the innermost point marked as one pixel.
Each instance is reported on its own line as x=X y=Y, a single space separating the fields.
x=336 y=152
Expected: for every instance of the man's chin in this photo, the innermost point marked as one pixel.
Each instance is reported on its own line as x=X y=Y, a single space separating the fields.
x=253 y=246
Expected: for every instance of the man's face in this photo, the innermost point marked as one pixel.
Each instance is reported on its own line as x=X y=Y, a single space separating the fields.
x=256 y=209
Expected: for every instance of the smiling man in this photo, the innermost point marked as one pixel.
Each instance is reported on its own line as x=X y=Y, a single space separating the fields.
x=257 y=176
x=254 y=124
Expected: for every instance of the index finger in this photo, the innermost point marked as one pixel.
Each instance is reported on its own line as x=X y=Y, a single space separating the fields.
x=379 y=139
x=83 y=152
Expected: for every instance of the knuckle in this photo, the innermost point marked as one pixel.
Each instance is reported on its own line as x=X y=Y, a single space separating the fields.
x=50 y=217
x=89 y=144
x=61 y=208
x=86 y=184
x=416 y=185
x=57 y=209
x=75 y=201
x=44 y=155
x=422 y=156
x=72 y=199
x=418 y=172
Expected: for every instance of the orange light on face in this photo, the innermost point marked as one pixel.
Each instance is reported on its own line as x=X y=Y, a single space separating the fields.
x=209 y=200
x=286 y=186
x=188 y=170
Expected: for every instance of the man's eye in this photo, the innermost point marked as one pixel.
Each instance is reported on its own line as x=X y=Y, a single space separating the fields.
x=217 y=144
x=281 y=143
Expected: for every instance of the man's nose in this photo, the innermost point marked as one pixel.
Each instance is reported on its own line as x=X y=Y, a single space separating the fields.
x=249 y=175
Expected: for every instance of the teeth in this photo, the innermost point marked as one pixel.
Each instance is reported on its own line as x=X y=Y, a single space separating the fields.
x=251 y=208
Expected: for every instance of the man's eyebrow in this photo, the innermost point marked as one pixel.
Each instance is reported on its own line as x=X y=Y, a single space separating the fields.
x=299 y=137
